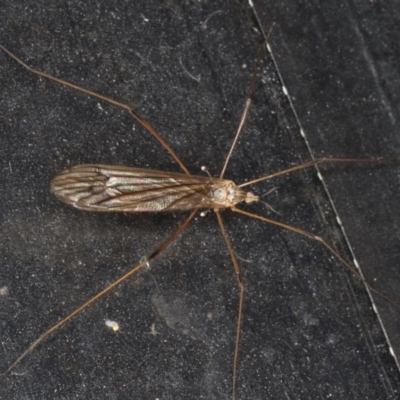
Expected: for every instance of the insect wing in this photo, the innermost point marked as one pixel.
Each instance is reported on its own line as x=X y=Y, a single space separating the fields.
x=108 y=188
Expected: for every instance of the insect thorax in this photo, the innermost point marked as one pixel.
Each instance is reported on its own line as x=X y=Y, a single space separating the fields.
x=225 y=194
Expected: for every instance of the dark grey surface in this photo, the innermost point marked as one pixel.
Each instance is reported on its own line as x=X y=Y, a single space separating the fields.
x=308 y=330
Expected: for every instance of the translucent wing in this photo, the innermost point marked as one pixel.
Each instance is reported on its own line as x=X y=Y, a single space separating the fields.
x=116 y=188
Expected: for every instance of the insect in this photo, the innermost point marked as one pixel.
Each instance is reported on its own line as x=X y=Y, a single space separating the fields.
x=102 y=172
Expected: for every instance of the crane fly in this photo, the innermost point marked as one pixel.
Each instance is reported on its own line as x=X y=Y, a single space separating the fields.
x=108 y=188
x=114 y=188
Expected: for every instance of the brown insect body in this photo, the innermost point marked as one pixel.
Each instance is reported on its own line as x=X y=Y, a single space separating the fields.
x=106 y=188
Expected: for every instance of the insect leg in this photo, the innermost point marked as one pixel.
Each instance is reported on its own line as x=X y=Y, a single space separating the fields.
x=241 y=298
x=78 y=310
x=145 y=123
x=317 y=238
x=316 y=162
x=250 y=91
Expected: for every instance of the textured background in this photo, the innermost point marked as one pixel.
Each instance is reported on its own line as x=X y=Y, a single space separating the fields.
x=309 y=330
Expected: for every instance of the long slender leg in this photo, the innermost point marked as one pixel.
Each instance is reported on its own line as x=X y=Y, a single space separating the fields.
x=78 y=310
x=316 y=162
x=240 y=305
x=261 y=53
x=311 y=235
x=145 y=123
